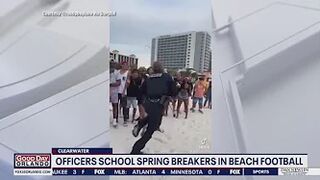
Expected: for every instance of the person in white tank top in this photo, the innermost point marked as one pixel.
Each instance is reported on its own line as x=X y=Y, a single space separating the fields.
x=123 y=74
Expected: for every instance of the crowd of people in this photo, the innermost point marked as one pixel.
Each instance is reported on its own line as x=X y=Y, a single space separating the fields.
x=125 y=88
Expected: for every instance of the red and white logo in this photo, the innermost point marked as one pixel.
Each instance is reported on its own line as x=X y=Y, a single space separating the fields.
x=32 y=161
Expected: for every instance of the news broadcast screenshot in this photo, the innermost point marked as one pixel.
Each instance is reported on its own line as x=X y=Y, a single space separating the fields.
x=159 y=89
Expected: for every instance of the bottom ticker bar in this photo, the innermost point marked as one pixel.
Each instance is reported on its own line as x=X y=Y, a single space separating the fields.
x=166 y=171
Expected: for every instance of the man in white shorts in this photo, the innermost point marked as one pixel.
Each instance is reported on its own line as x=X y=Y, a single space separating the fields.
x=133 y=91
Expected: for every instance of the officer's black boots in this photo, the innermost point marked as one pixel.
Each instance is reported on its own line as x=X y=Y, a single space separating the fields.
x=136 y=129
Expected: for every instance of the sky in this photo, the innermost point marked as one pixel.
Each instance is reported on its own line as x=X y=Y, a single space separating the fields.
x=138 y=21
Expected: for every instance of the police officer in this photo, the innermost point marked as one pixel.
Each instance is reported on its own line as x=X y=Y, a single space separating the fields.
x=155 y=91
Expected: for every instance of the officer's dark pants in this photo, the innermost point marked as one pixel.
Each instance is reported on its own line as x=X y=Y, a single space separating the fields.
x=155 y=111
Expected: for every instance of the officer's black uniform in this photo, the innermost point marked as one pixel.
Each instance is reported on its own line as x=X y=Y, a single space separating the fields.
x=154 y=91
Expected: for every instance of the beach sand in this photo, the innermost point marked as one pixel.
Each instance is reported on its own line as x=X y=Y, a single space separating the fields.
x=180 y=136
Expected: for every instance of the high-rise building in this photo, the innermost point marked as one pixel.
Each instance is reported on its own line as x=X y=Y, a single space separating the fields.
x=183 y=50
x=132 y=60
